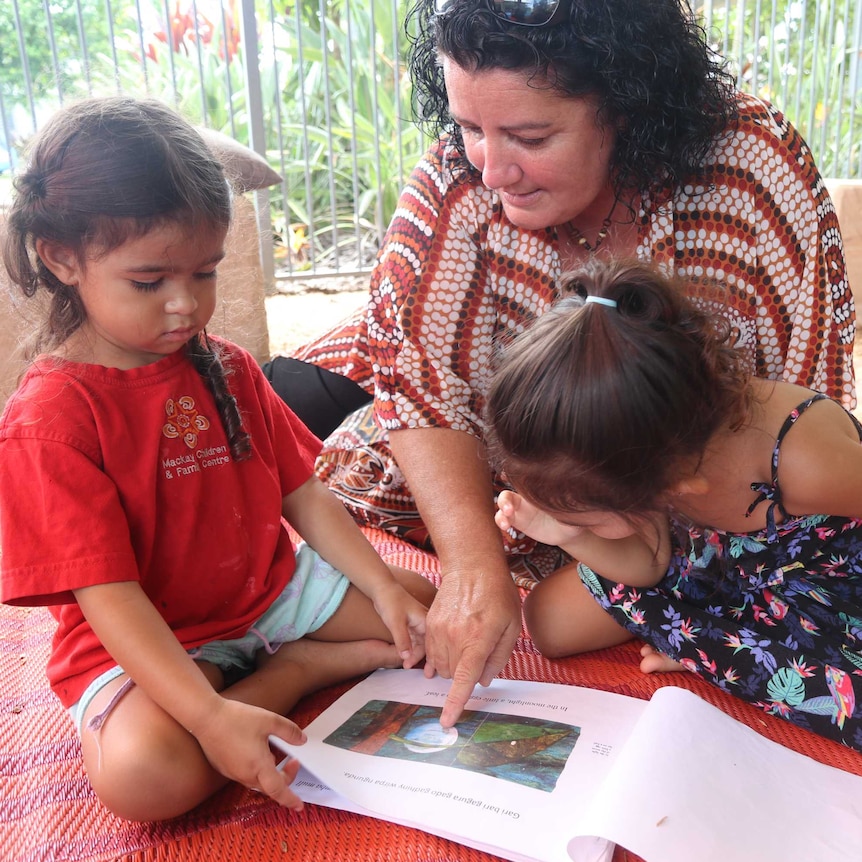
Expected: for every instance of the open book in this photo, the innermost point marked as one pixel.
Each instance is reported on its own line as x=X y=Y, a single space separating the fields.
x=553 y=773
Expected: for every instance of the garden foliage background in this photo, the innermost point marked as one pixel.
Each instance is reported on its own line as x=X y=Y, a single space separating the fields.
x=320 y=88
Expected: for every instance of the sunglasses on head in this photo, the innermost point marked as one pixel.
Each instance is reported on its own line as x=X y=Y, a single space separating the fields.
x=528 y=13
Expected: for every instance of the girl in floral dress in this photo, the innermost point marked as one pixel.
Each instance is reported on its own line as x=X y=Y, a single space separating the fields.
x=716 y=516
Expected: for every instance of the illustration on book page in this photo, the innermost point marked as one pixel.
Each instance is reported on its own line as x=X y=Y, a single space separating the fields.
x=527 y=751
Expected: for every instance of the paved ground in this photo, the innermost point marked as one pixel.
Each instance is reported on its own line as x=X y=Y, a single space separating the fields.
x=294 y=318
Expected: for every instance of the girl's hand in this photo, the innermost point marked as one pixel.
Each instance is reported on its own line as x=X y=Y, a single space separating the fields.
x=233 y=738
x=404 y=616
x=516 y=512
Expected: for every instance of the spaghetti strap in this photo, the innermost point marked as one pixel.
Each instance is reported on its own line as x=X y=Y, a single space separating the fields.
x=772 y=492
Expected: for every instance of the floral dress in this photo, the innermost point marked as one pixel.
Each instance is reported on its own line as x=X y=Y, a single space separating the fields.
x=772 y=616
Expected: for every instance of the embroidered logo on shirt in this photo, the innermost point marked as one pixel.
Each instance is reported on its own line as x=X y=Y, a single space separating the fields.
x=184 y=421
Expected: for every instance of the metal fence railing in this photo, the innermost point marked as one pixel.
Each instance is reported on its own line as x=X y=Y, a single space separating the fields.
x=319 y=88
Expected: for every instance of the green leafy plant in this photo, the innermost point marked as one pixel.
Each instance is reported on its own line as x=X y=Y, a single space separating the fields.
x=801 y=56
x=335 y=95
x=346 y=145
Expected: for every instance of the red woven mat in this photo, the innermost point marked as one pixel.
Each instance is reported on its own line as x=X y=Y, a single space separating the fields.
x=48 y=811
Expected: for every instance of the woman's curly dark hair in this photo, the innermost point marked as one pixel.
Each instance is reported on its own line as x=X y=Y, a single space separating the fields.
x=646 y=61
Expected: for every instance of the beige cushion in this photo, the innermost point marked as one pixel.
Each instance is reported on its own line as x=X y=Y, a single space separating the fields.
x=240 y=315
x=246 y=169
x=847 y=197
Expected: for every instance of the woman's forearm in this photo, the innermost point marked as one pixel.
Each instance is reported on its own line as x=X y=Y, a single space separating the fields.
x=448 y=474
x=476 y=616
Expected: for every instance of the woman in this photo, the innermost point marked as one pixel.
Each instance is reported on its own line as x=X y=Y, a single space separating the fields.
x=567 y=130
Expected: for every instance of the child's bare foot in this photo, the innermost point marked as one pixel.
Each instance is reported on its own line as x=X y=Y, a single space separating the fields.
x=305 y=666
x=653 y=661
x=321 y=663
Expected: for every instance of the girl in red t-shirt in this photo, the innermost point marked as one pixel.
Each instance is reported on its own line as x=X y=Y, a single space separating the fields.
x=146 y=474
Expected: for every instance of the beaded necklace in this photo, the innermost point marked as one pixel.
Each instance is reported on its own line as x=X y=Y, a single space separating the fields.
x=576 y=238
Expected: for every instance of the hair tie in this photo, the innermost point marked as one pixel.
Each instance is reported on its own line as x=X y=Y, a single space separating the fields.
x=600 y=300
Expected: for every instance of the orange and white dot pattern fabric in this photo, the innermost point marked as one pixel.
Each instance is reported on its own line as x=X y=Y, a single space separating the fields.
x=455 y=279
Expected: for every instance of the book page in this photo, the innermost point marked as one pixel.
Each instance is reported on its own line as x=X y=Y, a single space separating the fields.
x=695 y=784
x=508 y=779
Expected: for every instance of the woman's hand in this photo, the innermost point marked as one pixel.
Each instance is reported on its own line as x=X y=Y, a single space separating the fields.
x=472 y=628
x=405 y=617
x=475 y=617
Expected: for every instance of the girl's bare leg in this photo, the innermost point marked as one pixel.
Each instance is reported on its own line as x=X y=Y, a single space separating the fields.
x=564 y=619
x=141 y=763
x=357 y=620
x=145 y=766
x=652 y=661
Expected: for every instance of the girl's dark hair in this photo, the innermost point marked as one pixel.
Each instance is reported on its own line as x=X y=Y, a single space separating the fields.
x=596 y=408
x=647 y=63
x=103 y=171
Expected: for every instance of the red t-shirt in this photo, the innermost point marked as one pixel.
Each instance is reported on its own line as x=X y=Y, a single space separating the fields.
x=110 y=475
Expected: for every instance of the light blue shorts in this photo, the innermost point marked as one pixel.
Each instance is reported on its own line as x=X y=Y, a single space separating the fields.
x=314 y=594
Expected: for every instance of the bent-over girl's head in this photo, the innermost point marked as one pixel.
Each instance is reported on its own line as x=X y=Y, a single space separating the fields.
x=646 y=62
x=597 y=406
x=100 y=172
